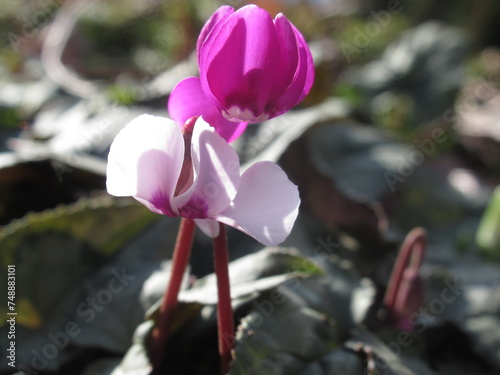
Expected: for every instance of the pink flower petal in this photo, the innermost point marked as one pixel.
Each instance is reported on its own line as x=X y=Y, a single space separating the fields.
x=188 y=100
x=228 y=130
x=216 y=174
x=213 y=25
x=265 y=206
x=305 y=54
x=145 y=160
x=302 y=81
x=289 y=55
x=238 y=64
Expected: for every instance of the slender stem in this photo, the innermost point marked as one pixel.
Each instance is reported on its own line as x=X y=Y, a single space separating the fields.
x=225 y=320
x=168 y=308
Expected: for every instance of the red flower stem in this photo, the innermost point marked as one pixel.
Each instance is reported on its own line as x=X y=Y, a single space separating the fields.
x=168 y=308
x=225 y=320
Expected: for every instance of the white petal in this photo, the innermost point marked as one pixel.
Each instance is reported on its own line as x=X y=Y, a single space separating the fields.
x=208 y=226
x=265 y=206
x=145 y=160
x=216 y=174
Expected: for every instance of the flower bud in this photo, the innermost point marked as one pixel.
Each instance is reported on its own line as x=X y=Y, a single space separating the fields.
x=252 y=68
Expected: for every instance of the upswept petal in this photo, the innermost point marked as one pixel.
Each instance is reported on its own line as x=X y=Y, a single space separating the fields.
x=302 y=82
x=309 y=69
x=188 y=100
x=213 y=24
x=216 y=169
x=265 y=206
x=289 y=55
x=229 y=130
x=238 y=64
x=145 y=160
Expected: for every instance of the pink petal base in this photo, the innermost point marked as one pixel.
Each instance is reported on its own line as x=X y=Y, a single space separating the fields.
x=188 y=100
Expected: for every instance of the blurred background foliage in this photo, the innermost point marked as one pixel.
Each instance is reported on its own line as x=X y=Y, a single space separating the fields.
x=124 y=43
x=404 y=67
x=389 y=73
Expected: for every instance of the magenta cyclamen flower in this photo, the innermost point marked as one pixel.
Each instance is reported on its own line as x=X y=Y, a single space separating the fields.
x=252 y=68
x=194 y=173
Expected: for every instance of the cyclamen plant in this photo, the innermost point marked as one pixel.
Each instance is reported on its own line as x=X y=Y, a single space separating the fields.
x=195 y=174
x=251 y=68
